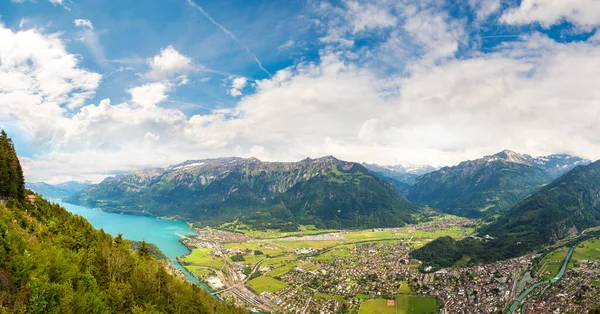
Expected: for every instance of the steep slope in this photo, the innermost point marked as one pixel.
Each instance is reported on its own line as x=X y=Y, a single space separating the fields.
x=566 y=206
x=326 y=192
x=62 y=190
x=52 y=261
x=480 y=187
x=12 y=182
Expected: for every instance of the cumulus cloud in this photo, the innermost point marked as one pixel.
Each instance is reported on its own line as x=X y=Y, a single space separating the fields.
x=149 y=95
x=584 y=13
x=38 y=67
x=168 y=63
x=237 y=84
x=532 y=95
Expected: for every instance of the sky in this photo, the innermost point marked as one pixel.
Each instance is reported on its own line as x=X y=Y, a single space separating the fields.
x=90 y=89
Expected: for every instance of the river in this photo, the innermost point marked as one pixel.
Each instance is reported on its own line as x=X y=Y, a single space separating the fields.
x=561 y=272
x=164 y=233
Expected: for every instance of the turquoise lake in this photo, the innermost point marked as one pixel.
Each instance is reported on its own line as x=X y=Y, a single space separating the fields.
x=164 y=233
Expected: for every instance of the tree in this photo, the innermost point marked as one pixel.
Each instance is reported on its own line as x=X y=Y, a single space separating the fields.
x=144 y=251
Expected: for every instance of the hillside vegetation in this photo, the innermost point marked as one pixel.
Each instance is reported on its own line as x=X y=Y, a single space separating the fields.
x=490 y=185
x=52 y=261
x=567 y=206
x=325 y=192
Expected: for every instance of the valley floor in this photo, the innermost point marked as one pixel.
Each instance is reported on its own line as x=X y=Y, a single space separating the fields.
x=370 y=271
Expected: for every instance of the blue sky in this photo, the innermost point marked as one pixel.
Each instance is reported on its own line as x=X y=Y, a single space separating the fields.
x=90 y=85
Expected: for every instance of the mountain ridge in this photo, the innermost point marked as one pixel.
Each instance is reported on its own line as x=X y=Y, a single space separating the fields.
x=265 y=194
x=488 y=185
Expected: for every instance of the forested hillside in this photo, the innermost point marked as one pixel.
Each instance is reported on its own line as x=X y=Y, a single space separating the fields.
x=52 y=261
x=567 y=206
x=12 y=182
x=325 y=192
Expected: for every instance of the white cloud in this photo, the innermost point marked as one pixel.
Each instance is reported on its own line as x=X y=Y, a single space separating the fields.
x=149 y=95
x=38 y=65
x=365 y=16
x=168 y=63
x=237 y=85
x=286 y=45
x=484 y=8
x=584 y=13
x=532 y=95
x=83 y=23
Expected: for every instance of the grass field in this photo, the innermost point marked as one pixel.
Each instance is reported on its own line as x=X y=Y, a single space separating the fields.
x=199 y=271
x=278 y=261
x=282 y=270
x=551 y=263
x=587 y=250
x=201 y=257
x=307 y=244
x=405 y=304
x=265 y=247
x=405 y=289
x=264 y=283
x=271 y=234
x=343 y=251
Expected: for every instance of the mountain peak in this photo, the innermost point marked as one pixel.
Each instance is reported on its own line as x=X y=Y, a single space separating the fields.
x=512 y=156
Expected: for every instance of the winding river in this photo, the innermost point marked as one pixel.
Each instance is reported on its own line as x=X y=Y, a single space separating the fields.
x=556 y=278
x=164 y=233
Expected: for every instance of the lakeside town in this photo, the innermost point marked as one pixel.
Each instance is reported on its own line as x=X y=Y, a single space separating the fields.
x=346 y=271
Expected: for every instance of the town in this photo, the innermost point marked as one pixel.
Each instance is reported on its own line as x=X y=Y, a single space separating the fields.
x=354 y=271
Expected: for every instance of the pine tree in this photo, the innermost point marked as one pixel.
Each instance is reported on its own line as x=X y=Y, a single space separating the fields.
x=144 y=251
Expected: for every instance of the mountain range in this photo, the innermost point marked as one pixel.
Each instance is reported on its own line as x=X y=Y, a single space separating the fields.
x=60 y=191
x=489 y=185
x=567 y=206
x=325 y=192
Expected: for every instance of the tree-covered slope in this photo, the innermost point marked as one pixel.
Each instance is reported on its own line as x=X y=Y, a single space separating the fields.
x=479 y=187
x=326 y=192
x=566 y=206
x=12 y=182
x=52 y=261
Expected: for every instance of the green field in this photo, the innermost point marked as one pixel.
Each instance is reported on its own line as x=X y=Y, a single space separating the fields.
x=551 y=263
x=237 y=226
x=587 y=250
x=342 y=251
x=405 y=289
x=282 y=270
x=405 y=304
x=264 y=283
x=199 y=271
x=202 y=257
x=307 y=244
x=278 y=261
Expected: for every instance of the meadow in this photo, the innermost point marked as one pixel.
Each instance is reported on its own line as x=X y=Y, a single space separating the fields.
x=264 y=283
x=551 y=263
x=405 y=304
x=202 y=257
